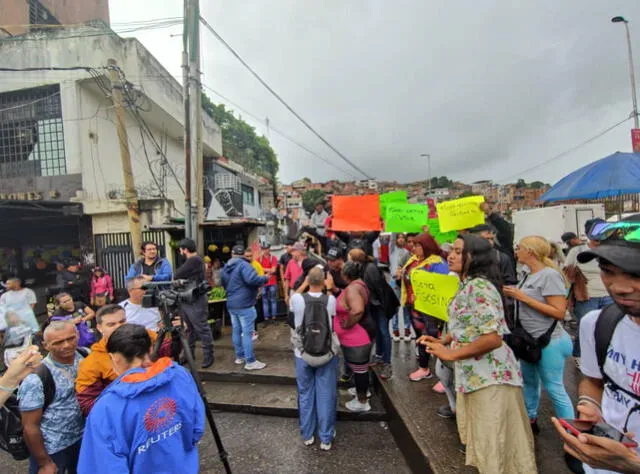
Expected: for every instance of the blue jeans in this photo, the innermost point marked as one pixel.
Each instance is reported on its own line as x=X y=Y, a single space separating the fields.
x=65 y=460
x=242 y=321
x=406 y=311
x=549 y=370
x=317 y=399
x=581 y=309
x=270 y=301
x=383 y=336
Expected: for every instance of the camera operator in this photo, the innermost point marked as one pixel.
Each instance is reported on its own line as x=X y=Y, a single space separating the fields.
x=195 y=314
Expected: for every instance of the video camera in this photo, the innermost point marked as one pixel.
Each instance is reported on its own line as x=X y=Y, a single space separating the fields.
x=157 y=294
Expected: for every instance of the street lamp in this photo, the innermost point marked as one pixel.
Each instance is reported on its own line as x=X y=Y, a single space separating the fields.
x=423 y=155
x=621 y=19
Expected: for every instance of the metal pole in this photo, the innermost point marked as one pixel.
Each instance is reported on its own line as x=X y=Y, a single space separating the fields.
x=130 y=193
x=633 y=77
x=429 y=166
x=187 y=122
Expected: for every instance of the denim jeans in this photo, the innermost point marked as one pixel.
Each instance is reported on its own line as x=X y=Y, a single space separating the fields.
x=66 y=460
x=406 y=310
x=447 y=379
x=383 y=336
x=581 y=309
x=242 y=321
x=550 y=371
x=317 y=399
x=270 y=301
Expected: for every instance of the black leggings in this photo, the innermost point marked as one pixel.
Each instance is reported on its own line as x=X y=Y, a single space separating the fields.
x=362 y=384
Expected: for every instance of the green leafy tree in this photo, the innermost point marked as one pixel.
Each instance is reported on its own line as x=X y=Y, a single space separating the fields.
x=537 y=185
x=311 y=198
x=521 y=183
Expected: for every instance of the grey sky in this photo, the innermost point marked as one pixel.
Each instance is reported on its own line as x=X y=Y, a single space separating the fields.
x=489 y=88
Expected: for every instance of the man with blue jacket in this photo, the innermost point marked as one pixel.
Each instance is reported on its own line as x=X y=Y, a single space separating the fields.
x=151 y=267
x=242 y=284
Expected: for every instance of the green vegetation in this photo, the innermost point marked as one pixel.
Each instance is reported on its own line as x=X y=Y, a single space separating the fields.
x=311 y=198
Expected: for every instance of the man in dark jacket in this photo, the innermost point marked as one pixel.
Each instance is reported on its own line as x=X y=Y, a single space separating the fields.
x=71 y=280
x=503 y=229
x=242 y=284
x=505 y=261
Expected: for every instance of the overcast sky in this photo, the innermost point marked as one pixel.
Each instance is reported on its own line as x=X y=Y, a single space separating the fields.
x=490 y=89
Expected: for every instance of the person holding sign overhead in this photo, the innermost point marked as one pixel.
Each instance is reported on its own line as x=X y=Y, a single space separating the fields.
x=427 y=256
x=487 y=374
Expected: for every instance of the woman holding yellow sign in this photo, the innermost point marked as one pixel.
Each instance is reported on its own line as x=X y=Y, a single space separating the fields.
x=487 y=374
x=427 y=256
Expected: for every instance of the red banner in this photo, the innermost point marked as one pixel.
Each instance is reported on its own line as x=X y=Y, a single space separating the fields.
x=635 y=139
x=356 y=213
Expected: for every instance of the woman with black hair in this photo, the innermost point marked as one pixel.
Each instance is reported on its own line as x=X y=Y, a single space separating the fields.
x=356 y=331
x=148 y=420
x=492 y=419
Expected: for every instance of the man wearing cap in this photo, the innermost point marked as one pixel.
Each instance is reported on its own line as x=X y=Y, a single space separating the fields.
x=241 y=283
x=335 y=261
x=196 y=313
x=294 y=268
x=610 y=389
x=269 y=291
x=571 y=240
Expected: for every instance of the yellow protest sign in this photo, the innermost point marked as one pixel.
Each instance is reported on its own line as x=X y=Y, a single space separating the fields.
x=460 y=214
x=433 y=292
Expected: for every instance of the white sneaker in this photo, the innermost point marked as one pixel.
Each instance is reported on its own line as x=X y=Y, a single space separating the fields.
x=239 y=361
x=254 y=337
x=357 y=407
x=325 y=446
x=352 y=391
x=310 y=441
x=255 y=365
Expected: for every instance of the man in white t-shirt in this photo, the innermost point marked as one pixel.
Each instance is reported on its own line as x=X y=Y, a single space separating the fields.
x=136 y=313
x=616 y=402
x=19 y=300
x=315 y=375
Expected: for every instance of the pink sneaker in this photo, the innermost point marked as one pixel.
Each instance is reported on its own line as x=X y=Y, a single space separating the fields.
x=420 y=374
x=438 y=388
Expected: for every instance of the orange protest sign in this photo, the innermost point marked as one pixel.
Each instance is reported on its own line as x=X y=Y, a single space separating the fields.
x=356 y=213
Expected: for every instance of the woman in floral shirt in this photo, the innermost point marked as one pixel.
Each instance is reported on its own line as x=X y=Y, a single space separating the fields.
x=491 y=416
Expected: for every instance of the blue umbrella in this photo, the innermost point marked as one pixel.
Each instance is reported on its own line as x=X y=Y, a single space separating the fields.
x=610 y=176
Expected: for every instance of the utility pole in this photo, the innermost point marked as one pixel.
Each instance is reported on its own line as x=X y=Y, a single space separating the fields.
x=130 y=193
x=194 y=164
x=187 y=122
x=428 y=156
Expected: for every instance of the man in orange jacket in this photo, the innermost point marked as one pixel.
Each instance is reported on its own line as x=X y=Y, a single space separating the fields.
x=96 y=372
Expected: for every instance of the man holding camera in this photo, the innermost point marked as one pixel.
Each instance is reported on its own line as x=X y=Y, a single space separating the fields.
x=195 y=314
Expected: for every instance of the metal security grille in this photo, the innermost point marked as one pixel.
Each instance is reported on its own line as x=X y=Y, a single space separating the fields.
x=39 y=15
x=113 y=252
x=31 y=133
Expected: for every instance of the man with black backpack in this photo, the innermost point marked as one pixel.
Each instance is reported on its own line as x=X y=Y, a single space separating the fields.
x=316 y=349
x=609 y=342
x=51 y=418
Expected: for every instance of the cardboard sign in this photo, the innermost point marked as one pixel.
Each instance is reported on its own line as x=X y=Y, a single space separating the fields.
x=406 y=217
x=460 y=213
x=433 y=292
x=441 y=237
x=356 y=213
x=394 y=197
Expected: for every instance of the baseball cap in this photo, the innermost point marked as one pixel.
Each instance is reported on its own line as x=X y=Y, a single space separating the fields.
x=334 y=253
x=265 y=245
x=290 y=241
x=482 y=228
x=568 y=237
x=299 y=246
x=237 y=250
x=618 y=243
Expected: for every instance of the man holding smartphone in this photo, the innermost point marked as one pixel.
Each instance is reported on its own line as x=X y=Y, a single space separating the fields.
x=610 y=390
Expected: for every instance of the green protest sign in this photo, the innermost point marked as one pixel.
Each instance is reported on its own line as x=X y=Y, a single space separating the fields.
x=394 y=197
x=406 y=217
x=441 y=237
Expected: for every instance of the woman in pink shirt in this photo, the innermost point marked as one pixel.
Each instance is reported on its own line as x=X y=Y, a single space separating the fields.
x=101 y=288
x=356 y=330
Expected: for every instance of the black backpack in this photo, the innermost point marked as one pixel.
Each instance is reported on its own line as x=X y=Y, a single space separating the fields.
x=11 y=436
x=315 y=331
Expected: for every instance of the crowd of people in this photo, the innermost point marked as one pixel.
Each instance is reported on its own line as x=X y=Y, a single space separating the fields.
x=347 y=302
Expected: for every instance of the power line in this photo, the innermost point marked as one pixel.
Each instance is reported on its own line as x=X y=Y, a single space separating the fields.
x=279 y=132
x=280 y=99
x=570 y=150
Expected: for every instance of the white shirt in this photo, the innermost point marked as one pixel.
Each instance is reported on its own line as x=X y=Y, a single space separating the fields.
x=19 y=302
x=297 y=308
x=622 y=366
x=590 y=270
x=376 y=249
x=318 y=221
x=137 y=314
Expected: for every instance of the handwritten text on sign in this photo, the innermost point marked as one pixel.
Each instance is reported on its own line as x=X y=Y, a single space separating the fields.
x=433 y=292
x=406 y=217
x=460 y=213
x=394 y=197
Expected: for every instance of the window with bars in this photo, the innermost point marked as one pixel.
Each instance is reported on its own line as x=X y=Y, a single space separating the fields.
x=31 y=133
x=39 y=15
x=247 y=195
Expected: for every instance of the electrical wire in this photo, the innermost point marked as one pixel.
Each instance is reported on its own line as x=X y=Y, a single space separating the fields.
x=280 y=99
x=570 y=150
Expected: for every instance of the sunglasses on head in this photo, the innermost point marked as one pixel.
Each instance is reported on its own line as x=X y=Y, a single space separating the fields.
x=627 y=231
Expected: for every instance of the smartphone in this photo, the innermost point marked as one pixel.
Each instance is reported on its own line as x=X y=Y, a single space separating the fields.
x=575 y=427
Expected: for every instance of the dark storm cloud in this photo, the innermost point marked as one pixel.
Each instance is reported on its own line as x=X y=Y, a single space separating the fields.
x=488 y=88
